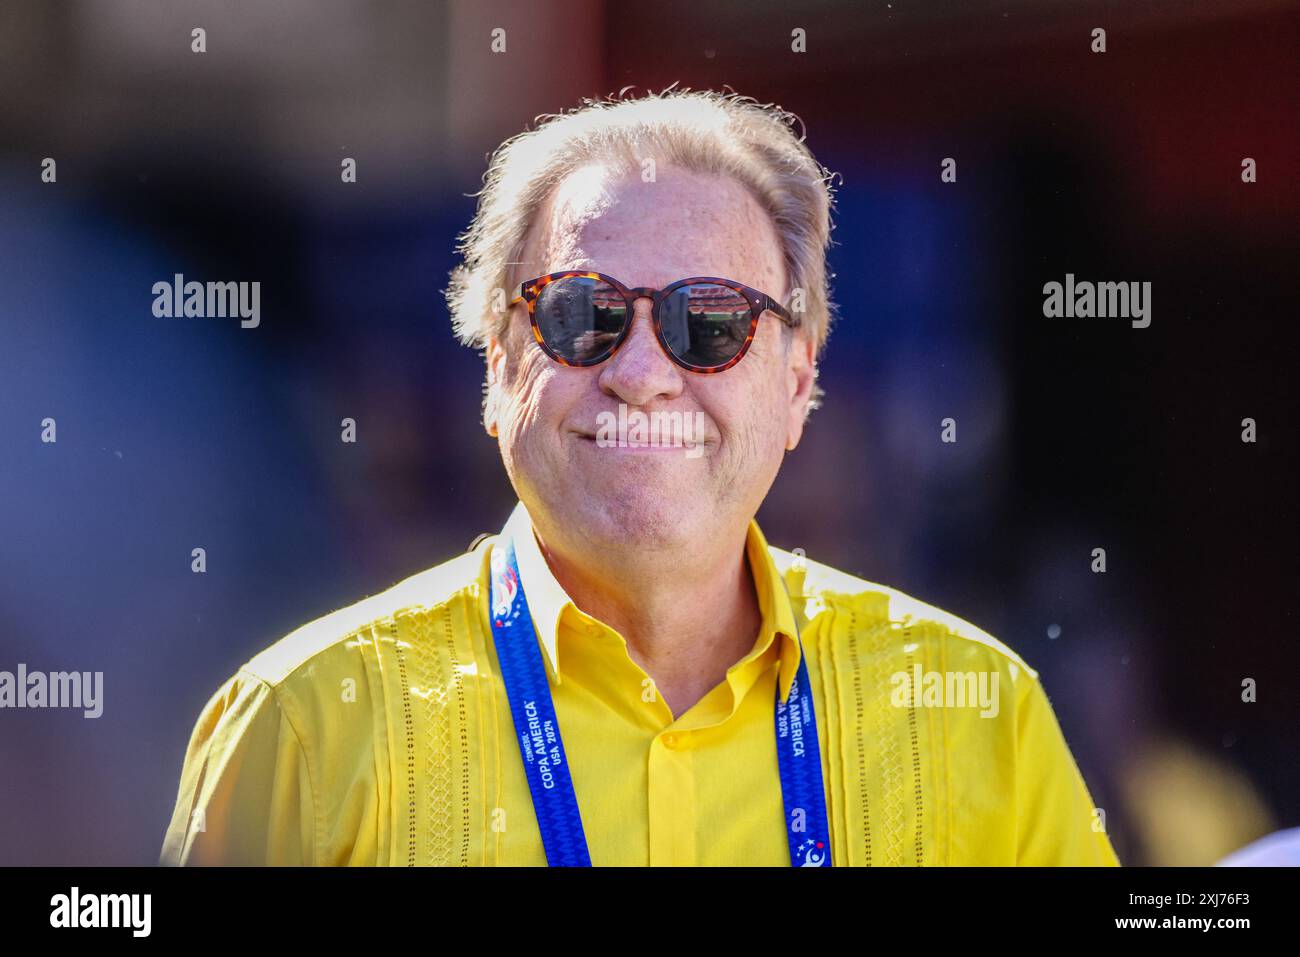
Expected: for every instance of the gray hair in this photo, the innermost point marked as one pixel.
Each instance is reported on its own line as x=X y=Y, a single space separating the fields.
x=705 y=132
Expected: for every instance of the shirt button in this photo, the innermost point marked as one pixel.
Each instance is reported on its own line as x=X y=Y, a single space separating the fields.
x=670 y=741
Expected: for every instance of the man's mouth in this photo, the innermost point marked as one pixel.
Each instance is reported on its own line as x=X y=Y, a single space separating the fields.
x=638 y=445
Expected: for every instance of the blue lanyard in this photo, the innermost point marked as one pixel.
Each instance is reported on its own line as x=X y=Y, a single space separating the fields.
x=547 y=768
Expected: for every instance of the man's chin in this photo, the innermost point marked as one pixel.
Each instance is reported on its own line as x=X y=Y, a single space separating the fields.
x=650 y=517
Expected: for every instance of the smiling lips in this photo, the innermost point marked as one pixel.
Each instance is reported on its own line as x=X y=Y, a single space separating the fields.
x=659 y=430
x=627 y=445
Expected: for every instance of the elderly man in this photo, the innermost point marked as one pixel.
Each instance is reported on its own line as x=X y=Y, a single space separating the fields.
x=628 y=674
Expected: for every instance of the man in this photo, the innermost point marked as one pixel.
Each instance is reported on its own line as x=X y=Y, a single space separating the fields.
x=628 y=674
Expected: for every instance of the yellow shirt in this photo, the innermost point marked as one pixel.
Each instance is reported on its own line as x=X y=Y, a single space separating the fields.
x=381 y=734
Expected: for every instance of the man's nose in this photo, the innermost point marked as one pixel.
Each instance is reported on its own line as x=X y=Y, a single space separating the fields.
x=640 y=372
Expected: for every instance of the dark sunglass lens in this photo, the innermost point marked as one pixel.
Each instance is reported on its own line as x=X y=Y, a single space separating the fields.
x=580 y=318
x=705 y=324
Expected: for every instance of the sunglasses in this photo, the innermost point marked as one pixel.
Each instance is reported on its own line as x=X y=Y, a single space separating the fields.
x=705 y=324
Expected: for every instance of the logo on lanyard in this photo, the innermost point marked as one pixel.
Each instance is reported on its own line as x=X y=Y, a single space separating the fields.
x=505 y=585
x=812 y=854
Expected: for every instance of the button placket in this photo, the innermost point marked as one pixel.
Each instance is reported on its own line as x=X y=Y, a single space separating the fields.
x=671 y=802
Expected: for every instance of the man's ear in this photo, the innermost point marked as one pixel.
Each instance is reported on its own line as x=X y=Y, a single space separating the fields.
x=801 y=376
x=495 y=356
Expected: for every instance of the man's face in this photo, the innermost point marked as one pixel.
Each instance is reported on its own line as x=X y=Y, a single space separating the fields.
x=548 y=417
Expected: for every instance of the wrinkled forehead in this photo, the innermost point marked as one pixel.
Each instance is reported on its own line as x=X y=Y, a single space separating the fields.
x=652 y=231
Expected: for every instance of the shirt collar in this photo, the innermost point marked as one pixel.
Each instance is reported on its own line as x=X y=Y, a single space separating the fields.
x=547 y=599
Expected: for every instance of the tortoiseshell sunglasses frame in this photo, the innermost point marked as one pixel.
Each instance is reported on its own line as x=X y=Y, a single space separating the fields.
x=759 y=303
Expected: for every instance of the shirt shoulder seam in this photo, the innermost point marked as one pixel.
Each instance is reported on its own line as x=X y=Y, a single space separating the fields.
x=419 y=593
x=283 y=706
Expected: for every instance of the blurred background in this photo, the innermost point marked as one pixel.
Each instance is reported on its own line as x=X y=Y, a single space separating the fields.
x=1072 y=434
